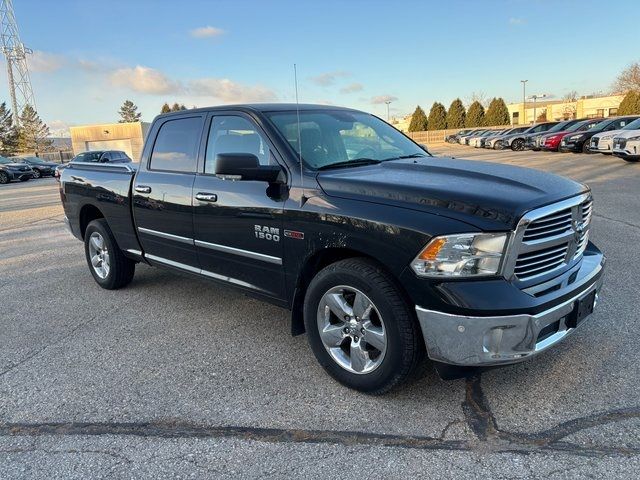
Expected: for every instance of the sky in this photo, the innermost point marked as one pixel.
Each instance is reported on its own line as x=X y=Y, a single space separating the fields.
x=90 y=56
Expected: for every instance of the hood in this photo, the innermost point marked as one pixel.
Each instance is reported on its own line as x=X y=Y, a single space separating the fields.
x=486 y=195
x=628 y=133
x=612 y=133
x=15 y=164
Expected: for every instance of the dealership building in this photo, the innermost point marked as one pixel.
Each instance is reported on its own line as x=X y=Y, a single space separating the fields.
x=590 y=106
x=127 y=137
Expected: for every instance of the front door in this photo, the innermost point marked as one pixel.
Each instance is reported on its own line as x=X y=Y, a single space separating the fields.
x=237 y=224
x=162 y=193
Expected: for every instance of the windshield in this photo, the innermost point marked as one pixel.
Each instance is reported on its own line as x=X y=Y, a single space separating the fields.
x=575 y=126
x=332 y=137
x=559 y=127
x=32 y=160
x=6 y=161
x=635 y=125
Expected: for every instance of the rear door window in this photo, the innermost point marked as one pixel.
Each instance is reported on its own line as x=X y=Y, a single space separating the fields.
x=176 y=145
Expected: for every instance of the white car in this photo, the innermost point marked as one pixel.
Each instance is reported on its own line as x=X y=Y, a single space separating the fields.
x=475 y=141
x=626 y=145
x=603 y=142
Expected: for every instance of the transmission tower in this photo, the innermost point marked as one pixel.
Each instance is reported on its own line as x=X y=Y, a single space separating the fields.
x=16 y=55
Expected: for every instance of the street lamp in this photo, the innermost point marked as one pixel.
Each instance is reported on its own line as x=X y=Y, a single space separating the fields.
x=387 y=102
x=524 y=101
x=534 y=98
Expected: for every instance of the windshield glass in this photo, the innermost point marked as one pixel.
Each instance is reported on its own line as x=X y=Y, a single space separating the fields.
x=575 y=126
x=33 y=160
x=338 y=137
x=6 y=161
x=559 y=127
x=635 y=125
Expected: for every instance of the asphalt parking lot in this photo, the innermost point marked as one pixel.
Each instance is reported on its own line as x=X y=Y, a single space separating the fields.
x=174 y=376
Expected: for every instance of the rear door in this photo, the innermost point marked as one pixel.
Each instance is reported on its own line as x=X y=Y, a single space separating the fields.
x=162 y=191
x=238 y=224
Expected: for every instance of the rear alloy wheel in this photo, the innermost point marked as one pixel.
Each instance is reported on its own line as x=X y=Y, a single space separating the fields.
x=108 y=265
x=36 y=173
x=517 y=145
x=585 y=147
x=360 y=327
x=4 y=178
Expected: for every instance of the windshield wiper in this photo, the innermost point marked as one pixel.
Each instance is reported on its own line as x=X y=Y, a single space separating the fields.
x=401 y=157
x=356 y=162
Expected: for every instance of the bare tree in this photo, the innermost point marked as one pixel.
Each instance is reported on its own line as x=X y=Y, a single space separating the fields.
x=629 y=79
x=571 y=96
x=479 y=97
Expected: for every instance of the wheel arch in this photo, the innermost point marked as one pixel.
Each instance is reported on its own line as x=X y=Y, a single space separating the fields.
x=88 y=213
x=316 y=262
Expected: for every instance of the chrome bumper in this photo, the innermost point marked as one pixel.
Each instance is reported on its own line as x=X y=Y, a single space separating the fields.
x=477 y=341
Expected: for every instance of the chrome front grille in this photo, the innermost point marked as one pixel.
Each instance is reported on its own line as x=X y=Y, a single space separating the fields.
x=548 y=239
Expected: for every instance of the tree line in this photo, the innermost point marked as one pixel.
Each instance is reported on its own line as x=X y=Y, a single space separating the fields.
x=30 y=136
x=458 y=117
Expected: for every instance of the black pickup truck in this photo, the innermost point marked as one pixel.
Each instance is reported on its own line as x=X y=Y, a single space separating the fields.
x=381 y=251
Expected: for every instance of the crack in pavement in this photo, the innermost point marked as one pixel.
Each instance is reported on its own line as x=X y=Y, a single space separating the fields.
x=478 y=416
x=628 y=224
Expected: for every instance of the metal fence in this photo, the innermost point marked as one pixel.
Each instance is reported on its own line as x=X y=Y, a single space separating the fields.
x=59 y=156
x=431 y=137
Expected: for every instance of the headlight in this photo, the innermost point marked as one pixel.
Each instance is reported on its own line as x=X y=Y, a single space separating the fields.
x=575 y=137
x=633 y=139
x=461 y=255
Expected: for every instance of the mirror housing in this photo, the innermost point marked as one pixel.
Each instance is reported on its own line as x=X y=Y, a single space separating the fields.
x=424 y=147
x=246 y=166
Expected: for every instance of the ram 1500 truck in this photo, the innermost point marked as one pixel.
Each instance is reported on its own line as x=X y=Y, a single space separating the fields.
x=381 y=251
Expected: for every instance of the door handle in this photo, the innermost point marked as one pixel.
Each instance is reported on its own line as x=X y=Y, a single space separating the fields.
x=142 y=189
x=206 y=197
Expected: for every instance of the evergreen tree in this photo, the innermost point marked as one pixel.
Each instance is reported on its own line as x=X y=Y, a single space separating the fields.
x=497 y=113
x=437 y=117
x=8 y=132
x=630 y=104
x=33 y=133
x=475 y=115
x=177 y=107
x=456 y=114
x=165 y=108
x=418 y=120
x=129 y=112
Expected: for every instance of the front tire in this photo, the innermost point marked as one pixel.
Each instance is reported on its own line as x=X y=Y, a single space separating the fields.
x=517 y=145
x=360 y=328
x=108 y=265
x=36 y=173
x=4 y=178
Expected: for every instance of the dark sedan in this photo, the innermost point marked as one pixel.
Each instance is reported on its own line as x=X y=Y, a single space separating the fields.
x=11 y=169
x=40 y=167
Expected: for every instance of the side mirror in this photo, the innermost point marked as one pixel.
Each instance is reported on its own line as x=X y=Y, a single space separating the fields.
x=246 y=166
x=424 y=147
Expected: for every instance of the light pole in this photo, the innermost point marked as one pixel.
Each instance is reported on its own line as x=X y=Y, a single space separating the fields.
x=387 y=102
x=524 y=101
x=534 y=98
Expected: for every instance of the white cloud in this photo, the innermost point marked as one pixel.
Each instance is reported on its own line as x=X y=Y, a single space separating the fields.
x=144 y=80
x=352 y=88
x=45 y=62
x=206 y=32
x=329 y=78
x=59 y=128
x=229 y=91
x=380 y=99
x=516 y=21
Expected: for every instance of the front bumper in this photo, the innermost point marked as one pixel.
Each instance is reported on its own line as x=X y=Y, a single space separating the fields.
x=496 y=340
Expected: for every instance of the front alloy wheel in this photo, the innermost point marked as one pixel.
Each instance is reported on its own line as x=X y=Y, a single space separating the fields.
x=361 y=328
x=36 y=173
x=352 y=329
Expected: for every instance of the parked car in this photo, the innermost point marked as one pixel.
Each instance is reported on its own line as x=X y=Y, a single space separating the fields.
x=494 y=141
x=580 y=141
x=464 y=139
x=603 y=142
x=532 y=141
x=11 y=169
x=41 y=168
x=102 y=156
x=516 y=141
x=475 y=140
x=490 y=134
x=551 y=141
x=454 y=137
x=626 y=145
x=381 y=252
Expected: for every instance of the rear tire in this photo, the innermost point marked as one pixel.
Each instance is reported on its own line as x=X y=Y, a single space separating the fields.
x=368 y=348
x=36 y=173
x=108 y=265
x=4 y=178
x=585 y=148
